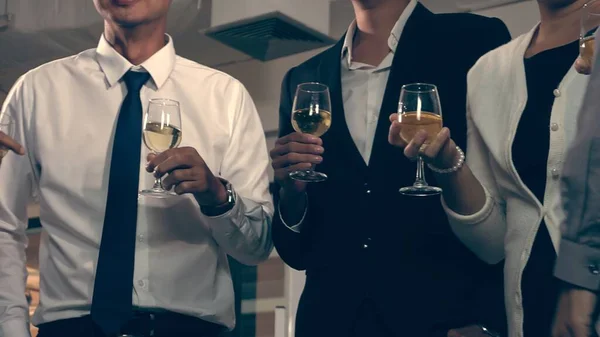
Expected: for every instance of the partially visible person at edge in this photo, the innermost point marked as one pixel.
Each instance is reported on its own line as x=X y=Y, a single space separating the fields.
x=112 y=262
x=578 y=263
x=378 y=263
x=504 y=203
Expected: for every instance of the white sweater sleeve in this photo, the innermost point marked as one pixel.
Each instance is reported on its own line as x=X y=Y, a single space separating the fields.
x=483 y=232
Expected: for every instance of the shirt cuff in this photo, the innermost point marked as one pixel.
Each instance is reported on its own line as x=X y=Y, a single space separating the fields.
x=579 y=265
x=14 y=328
x=295 y=228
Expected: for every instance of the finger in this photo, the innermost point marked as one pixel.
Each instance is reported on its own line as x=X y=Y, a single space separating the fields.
x=184 y=157
x=11 y=144
x=583 y=66
x=178 y=176
x=299 y=138
x=412 y=149
x=150 y=156
x=189 y=187
x=174 y=162
x=394 y=135
x=297 y=148
x=393 y=117
x=156 y=159
x=295 y=158
x=433 y=149
x=283 y=173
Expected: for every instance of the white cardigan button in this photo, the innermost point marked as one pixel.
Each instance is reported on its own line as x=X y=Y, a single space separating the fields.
x=554 y=127
x=554 y=173
x=557 y=93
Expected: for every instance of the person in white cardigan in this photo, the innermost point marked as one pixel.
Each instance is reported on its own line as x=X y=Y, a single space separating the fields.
x=504 y=201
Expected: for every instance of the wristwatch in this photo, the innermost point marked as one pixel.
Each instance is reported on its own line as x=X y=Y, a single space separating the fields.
x=224 y=207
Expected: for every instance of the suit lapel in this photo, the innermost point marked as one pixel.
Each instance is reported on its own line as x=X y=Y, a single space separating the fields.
x=329 y=73
x=410 y=62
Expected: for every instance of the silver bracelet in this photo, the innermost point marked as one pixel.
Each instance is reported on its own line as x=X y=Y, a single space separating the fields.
x=459 y=164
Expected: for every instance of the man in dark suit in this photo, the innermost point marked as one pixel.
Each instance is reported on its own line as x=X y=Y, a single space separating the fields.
x=378 y=263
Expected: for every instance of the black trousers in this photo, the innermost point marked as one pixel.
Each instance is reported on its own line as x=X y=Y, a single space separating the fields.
x=539 y=287
x=143 y=324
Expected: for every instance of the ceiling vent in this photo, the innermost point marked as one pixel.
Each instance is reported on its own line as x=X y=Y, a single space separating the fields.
x=267 y=29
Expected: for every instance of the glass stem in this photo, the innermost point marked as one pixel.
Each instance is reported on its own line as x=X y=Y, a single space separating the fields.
x=311 y=170
x=158 y=184
x=420 y=178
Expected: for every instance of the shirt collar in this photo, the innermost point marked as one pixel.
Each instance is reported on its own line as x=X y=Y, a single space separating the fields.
x=114 y=65
x=394 y=34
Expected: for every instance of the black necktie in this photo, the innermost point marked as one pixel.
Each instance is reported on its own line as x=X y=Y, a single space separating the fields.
x=111 y=304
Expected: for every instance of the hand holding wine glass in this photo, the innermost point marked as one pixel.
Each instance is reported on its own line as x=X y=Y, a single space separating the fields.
x=590 y=20
x=162 y=131
x=185 y=169
x=417 y=127
x=438 y=150
x=311 y=115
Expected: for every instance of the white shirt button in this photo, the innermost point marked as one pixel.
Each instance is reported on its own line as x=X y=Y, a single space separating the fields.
x=555 y=173
x=554 y=127
x=143 y=284
x=141 y=238
x=557 y=93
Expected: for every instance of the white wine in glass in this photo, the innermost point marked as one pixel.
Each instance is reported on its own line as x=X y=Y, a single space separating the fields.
x=590 y=20
x=311 y=114
x=7 y=125
x=162 y=131
x=419 y=108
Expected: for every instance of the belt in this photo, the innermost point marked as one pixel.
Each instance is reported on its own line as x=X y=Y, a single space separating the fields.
x=142 y=324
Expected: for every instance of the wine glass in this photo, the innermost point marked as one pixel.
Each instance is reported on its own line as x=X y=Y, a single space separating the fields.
x=7 y=125
x=311 y=114
x=590 y=20
x=162 y=131
x=419 y=109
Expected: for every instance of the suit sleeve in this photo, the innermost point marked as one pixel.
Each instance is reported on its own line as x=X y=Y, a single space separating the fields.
x=290 y=242
x=497 y=35
x=578 y=261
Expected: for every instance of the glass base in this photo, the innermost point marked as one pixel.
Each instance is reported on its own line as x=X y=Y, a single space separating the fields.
x=420 y=190
x=157 y=193
x=308 y=176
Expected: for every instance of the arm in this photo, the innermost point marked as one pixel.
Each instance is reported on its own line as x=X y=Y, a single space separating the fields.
x=472 y=202
x=470 y=195
x=579 y=254
x=292 y=212
x=16 y=179
x=291 y=207
x=244 y=231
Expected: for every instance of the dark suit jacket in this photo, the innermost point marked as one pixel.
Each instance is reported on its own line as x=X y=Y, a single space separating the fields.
x=361 y=239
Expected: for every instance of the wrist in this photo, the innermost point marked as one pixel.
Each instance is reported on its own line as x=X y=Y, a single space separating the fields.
x=453 y=165
x=224 y=200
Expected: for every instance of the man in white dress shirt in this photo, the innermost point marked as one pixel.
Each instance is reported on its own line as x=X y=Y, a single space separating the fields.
x=111 y=264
